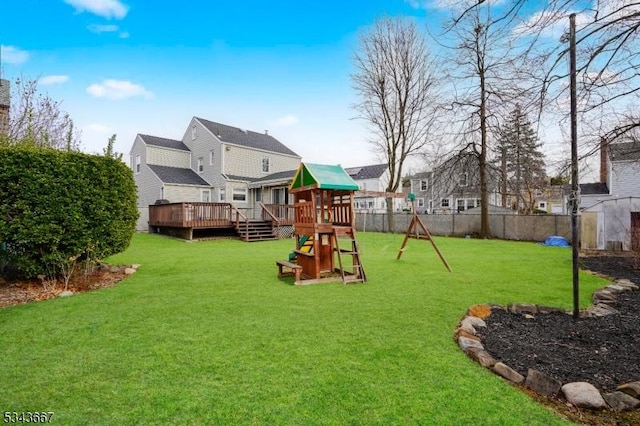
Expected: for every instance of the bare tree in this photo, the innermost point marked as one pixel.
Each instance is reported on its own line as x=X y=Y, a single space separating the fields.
x=395 y=81
x=36 y=119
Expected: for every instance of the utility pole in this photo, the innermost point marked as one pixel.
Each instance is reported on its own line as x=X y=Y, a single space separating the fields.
x=575 y=189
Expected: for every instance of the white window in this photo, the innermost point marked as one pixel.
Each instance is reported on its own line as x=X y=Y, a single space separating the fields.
x=211 y=157
x=200 y=165
x=265 y=165
x=221 y=195
x=205 y=196
x=420 y=202
x=430 y=205
x=240 y=194
x=464 y=179
x=258 y=195
x=423 y=185
x=194 y=133
x=542 y=205
x=138 y=163
x=444 y=202
x=460 y=204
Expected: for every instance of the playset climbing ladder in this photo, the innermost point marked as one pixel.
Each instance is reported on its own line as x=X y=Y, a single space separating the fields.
x=357 y=274
x=323 y=205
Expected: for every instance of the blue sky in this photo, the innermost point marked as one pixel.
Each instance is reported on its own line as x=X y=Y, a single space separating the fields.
x=139 y=66
x=134 y=66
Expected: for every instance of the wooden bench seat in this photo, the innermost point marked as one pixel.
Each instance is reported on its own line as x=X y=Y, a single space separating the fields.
x=294 y=269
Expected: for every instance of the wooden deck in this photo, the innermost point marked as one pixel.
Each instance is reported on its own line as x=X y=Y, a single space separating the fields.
x=192 y=215
x=184 y=218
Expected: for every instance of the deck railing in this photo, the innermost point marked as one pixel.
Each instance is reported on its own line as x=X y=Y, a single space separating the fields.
x=241 y=219
x=191 y=215
x=285 y=213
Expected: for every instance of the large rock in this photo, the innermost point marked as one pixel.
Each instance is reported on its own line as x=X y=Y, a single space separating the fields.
x=626 y=283
x=483 y=357
x=584 y=395
x=632 y=389
x=66 y=293
x=620 y=401
x=508 y=373
x=542 y=383
x=523 y=308
x=466 y=344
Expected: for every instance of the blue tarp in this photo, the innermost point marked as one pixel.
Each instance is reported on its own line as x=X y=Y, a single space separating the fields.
x=556 y=241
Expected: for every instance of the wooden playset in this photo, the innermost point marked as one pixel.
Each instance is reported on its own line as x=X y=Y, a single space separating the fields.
x=326 y=247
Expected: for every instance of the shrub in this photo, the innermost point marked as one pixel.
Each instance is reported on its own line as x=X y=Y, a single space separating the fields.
x=57 y=208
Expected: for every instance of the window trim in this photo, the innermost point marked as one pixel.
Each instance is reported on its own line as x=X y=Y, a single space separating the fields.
x=138 y=165
x=211 y=157
x=445 y=202
x=200 y=165
x=266 y=161
x=222 y=195
x=202 y=197
x=239 y=191
x=424 y=184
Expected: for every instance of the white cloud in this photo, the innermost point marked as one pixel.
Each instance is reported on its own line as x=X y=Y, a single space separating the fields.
x=286 y=121
x=14 y=55
x=118 y=89
x=53 y=79
x=124 y=34
x=550 y=25
x=105 y=8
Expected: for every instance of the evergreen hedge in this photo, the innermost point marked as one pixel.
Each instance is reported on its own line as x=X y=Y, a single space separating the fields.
x=58 y=208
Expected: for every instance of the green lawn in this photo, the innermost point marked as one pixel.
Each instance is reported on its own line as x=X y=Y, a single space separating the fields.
x=205 y=333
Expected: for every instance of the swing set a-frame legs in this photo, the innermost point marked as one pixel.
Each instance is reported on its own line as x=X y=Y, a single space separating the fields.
x=412 y=227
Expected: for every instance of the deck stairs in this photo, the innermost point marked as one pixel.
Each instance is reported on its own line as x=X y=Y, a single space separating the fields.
x=255 y=230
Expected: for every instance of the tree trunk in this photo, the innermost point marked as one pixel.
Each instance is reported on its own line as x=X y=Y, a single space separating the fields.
x=391 y=220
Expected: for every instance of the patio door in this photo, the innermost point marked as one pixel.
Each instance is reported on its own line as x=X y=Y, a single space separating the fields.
x=280 y=196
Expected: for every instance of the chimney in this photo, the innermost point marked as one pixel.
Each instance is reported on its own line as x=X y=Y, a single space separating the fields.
x=266 y=132
x=603 y=160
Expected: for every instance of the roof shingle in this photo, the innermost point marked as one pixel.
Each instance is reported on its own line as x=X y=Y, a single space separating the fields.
x=373 y=171
x=178 y=175
x=164 y=142
x=246 y=138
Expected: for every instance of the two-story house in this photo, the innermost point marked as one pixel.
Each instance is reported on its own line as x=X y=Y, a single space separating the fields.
x=610 y=209
x=453 y=186
x=373 y=181
x=213 y=162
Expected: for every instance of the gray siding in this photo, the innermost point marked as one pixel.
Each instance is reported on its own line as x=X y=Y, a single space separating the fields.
x=625 y=179
x=148 y=184
x=168 y=157
x=200 y=147
x=182 y=193
x=241 y=161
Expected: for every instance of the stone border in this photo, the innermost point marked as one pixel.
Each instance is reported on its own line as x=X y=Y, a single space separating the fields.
x=626 y=397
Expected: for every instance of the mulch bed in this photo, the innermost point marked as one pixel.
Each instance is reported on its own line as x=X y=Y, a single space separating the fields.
x=17 y=292
x=604 y=351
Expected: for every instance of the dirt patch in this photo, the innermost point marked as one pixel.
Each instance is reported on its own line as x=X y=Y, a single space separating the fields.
x=17 y=292
x=604 y=351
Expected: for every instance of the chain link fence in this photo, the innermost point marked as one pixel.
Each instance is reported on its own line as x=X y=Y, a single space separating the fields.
x=507 y=227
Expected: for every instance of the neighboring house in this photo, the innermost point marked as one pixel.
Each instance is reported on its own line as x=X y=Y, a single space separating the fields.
x=373 y=180
x=213 y=162
x=453 y=186
x=553 y=199
x=5 y=102
x=610 y=209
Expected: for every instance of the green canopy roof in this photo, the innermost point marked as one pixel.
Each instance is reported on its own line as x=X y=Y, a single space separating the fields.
x=323 y=176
